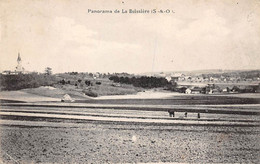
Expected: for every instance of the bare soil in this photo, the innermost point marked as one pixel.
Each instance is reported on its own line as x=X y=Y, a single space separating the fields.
x=95 y=142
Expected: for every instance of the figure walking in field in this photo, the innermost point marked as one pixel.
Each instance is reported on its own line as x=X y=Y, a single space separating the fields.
x=171 y=113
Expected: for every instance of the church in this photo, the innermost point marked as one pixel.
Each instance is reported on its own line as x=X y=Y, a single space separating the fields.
x=18 y=69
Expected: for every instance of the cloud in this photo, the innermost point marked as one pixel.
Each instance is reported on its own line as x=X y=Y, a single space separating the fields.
x=67 y=30
x=83 y=47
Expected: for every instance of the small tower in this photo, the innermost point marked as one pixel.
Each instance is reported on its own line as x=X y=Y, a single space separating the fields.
x=19 y=67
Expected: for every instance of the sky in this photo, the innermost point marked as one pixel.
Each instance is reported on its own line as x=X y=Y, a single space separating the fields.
x=196 y=35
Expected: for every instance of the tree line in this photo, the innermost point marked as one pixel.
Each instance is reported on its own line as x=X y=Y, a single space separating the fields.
x=143 y=81
x=22 y=81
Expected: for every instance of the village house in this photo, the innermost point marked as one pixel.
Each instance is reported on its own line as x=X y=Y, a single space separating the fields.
x=226 y=90
x=181 y=89
x=194 y=90
x=212 y=88
x=168 y=78
x=188 y=91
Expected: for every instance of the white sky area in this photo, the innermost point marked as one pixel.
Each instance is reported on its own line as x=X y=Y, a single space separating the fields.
x=61 y=34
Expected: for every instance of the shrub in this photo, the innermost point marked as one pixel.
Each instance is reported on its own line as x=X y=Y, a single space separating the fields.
x=62 y=82
x=90 y=93
x=87 y=82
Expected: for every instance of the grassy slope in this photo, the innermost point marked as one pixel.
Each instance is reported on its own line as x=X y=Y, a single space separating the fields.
x=26 y=81
x=55 y=93
x=105 y=88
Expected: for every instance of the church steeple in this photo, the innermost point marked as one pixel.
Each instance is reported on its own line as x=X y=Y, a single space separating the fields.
x=19 y=67
x=19 y=58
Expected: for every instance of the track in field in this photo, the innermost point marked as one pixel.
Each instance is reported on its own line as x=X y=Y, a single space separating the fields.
x=28 y=114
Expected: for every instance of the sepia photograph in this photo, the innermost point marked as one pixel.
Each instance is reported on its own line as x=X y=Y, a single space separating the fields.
x=129 y=81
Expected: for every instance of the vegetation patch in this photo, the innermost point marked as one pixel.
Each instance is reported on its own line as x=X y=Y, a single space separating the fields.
x=22 y=81
x=143 y=81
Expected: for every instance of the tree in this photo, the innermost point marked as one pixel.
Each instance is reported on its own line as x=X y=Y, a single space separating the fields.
x=236 y=89
x=87 y=83
x=48 y=71
x=63 y=82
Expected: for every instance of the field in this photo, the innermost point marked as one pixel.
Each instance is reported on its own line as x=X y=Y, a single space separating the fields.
x=181 y=101
x=97 y=142
x=128 y=129
x=99 y=86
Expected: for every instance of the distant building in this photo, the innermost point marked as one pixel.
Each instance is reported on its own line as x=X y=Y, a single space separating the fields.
x=188 y=91
x=194 y=90
x=178 y=77
x=212 y=88
x=225 y=90
x=181 y=89
x=168 y=78
x=18 y=69
x=8 y=72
